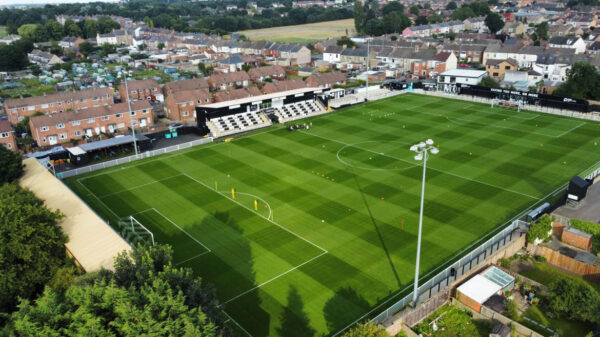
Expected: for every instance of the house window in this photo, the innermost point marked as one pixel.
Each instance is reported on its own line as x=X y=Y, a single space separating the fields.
x=104 y=118
x=119 y=115
x=78 y=133
x=82 y=100
x=44 y=140
x=133 y=113
x=9 y=146
x=145 y=111
x=91 y=120
x=60 y=125
x=75 y=123
x=185 y=114
x=507 y=67
x=4 y=135
x=44 y=128
x=62 y=135
x=120 y=125
x=95 y=98
x=134 y=91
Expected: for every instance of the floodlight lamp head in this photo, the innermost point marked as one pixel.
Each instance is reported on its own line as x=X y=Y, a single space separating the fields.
x=414 y=148
x=429 y=141
x=419 y=156
x=421 y=145
x=434 y=150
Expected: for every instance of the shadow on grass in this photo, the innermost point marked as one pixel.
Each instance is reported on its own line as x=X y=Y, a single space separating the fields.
x=294 y=321
x=343 y=308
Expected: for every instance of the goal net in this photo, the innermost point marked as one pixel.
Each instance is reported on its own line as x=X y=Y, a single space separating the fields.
x=134 y=232
x=512 y=104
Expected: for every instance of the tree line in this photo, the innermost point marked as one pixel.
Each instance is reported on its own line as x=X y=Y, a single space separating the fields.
x=205 y=16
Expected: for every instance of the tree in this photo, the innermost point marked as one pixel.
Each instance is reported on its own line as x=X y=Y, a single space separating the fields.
x=144 y=295
x=366 y=330
x=393 y=38
x=480 y=8
x=14 y=56
x=463 y=13
x=86 y=48
x=27 y=31
x=574 y=299
x=71 y=28
x=451 y=6
x=149 y=22
x=246 y=67
x=541 y=31
x=395 y=22
x=54 y=30
x=107 y=25
x=393 y=6
x=414 y=10
x=31 y=244
x=583 y=82
x=160 y=45
x=489 y=82
x=11 y=165
x=91 y=28
x=434 y=18
x=494 y=22
x=346 y=42
x=421 y=20
x=359 y=17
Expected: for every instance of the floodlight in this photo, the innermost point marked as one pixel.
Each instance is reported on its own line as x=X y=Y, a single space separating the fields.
x=435 y=150
x=419 y=157
x=429 y=141
x=413 y=148
x=421 y=145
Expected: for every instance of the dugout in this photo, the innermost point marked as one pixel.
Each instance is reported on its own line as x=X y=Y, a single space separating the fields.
x=265 y=102
x=577 y=188
x=530 y=98
x=82 y=154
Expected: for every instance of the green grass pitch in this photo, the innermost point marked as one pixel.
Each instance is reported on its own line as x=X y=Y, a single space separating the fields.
x=335 y=230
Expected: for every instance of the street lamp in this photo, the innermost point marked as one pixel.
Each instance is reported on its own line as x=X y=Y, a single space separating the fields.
x=124 y=73
x=423 y=149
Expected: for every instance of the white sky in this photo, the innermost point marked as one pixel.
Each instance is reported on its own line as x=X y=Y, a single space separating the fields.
x=38 y=2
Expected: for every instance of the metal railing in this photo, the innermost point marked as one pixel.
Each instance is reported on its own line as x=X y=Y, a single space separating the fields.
x=130 y=159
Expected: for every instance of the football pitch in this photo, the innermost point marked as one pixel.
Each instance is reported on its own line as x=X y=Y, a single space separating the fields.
x=323 y=226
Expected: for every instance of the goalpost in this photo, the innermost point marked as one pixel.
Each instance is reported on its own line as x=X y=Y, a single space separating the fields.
x=496 y=102
x=134 y=232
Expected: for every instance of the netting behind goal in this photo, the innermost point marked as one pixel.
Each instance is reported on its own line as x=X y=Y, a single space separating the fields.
x=134 y=232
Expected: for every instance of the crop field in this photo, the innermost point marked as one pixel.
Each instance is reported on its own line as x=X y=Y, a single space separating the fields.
x=321 y=225
x=303 y=33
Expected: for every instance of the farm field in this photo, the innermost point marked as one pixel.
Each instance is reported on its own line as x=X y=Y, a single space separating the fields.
x=333 y=234
x=303 y=33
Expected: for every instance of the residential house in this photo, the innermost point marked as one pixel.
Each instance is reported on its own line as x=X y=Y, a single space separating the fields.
x=525 y=56
x=181 y=105
x=43 y=59
x=260 y=74
x=7 y=136
x=497 y=68
x=289 y=54
x=475 y=24
x=286 y=85
x=333 y=54
x=326 y=80
x=140 y=89
x=424 y=61
x=70 y=42
x=60 y=128
x=183 y=85
x=225 y=96
x=9 y=39
x=358 y=55
x=514 y=28
x=18 y=108
x=560 y=30
x=118 y=37
x=568 y=42
x=238 y=79
x=465 y=52
x=554 y=66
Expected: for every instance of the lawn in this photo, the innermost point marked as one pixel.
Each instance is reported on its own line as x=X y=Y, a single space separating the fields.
x=334 y=230
x=303 y=33
x=3 y=31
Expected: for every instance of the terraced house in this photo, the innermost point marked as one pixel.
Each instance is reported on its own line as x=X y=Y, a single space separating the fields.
x=60 y=128
x=7 y=136
x=181 y=105
x=140 y=89
x=19 y=108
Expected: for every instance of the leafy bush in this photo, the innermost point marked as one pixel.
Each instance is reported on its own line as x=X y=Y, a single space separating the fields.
x=512 y=310
x=539 y=229
x=454 y=322
x=504 y=262
x=540 y=258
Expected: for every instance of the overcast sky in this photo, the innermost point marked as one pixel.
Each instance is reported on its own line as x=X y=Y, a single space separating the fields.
x=37 y=2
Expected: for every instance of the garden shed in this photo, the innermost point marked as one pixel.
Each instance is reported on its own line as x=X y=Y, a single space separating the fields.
x=483 y=286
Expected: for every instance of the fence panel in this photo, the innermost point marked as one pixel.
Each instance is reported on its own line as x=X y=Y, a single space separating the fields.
x=129 y=159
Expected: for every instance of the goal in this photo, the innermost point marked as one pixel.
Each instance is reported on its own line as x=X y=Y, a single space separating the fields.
x=134 y=232
x=512 y=104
